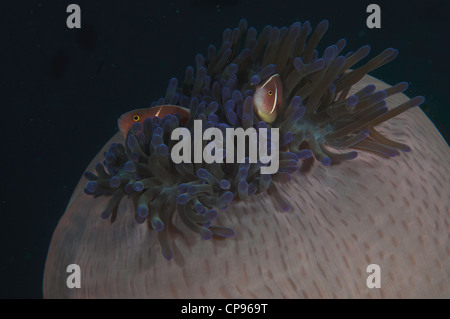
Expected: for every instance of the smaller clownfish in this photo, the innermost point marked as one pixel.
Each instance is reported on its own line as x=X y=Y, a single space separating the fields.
x=126 y=120
x=268 y=98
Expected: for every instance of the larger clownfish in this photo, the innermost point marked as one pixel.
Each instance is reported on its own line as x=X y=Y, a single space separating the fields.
x=268 y=98
x=127 y=120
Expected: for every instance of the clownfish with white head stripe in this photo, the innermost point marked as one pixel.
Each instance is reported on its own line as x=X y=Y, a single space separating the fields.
x=268 y=98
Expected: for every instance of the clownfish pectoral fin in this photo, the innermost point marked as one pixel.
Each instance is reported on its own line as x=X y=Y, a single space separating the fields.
x=268 y=98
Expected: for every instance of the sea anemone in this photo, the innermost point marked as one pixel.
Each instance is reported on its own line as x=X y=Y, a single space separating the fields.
x=316 y=117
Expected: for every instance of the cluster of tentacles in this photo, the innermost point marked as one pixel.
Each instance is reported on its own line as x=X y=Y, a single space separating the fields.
x=316 y=116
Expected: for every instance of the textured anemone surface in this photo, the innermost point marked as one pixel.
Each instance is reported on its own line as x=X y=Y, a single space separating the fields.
x=371 y=210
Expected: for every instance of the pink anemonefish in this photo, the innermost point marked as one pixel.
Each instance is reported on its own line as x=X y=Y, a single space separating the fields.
x=266 y=103
x=127 y=120
x=268 y=98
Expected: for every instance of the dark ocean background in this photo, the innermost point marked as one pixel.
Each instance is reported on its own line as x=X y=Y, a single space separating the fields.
x=63 y=89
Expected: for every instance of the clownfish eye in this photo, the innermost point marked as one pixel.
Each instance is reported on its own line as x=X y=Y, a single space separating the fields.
x=136 y=117
x=270 y=92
